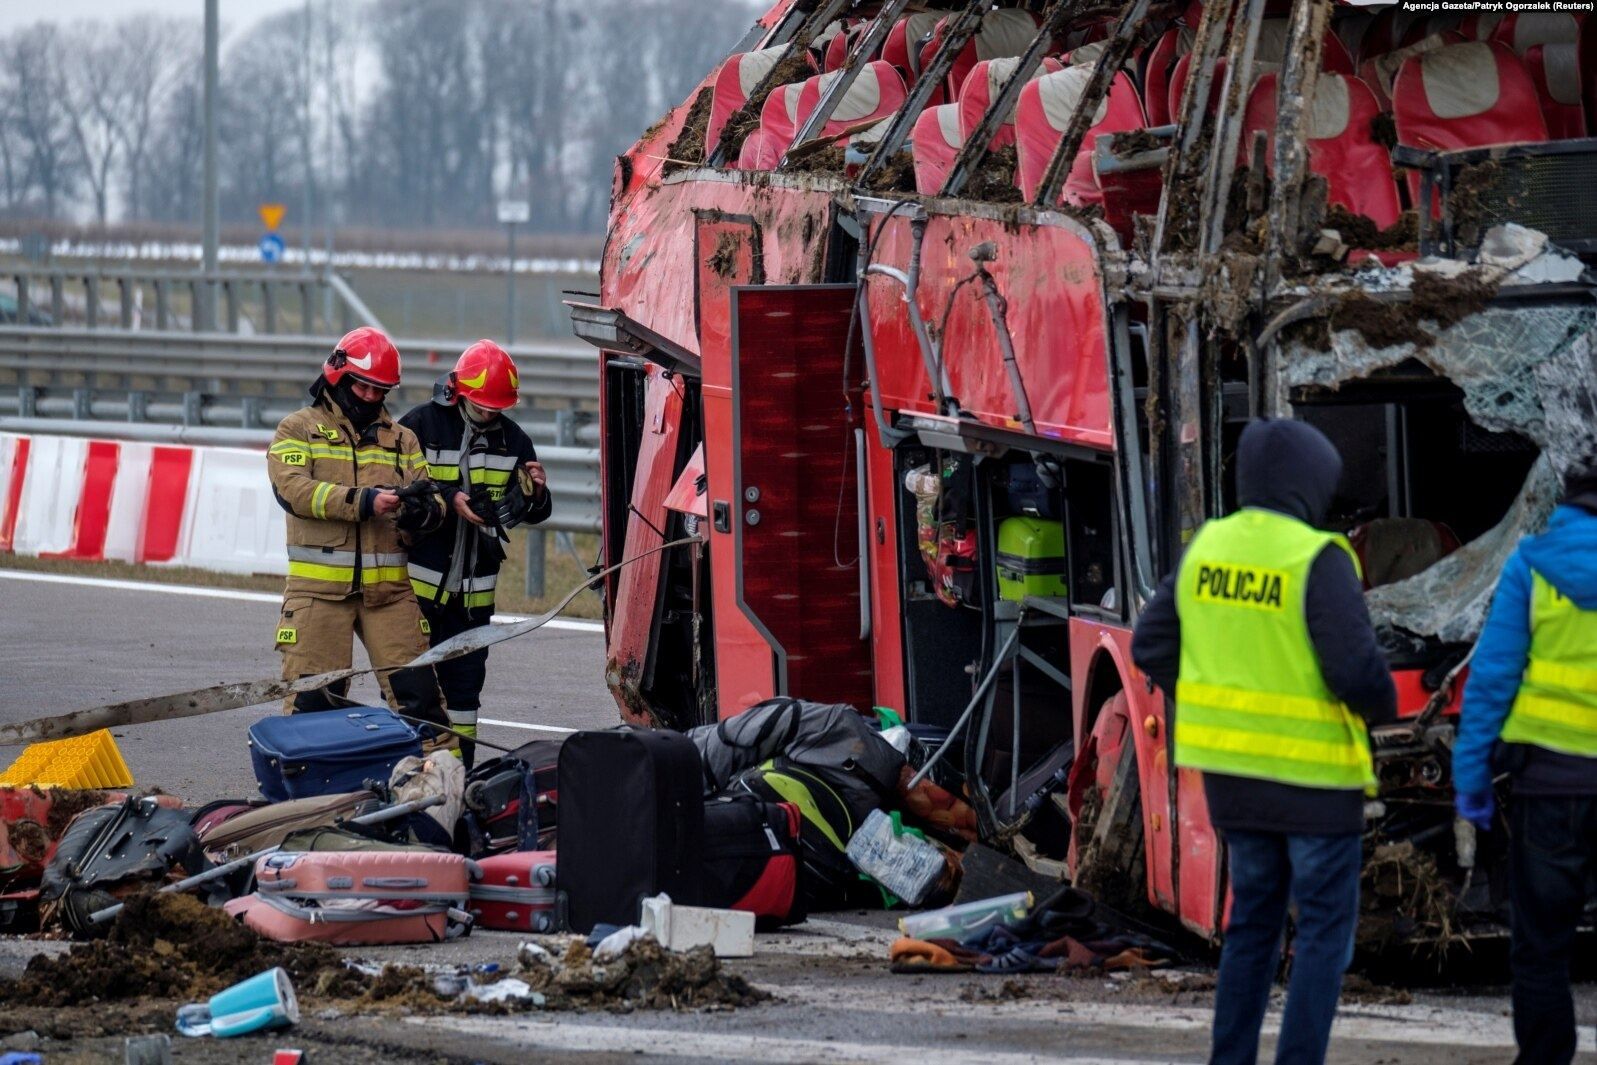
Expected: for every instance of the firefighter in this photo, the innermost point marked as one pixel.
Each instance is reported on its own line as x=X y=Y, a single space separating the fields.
x=492 y=481
x=355 y=486
x=1262 y=636
x=1530 y=711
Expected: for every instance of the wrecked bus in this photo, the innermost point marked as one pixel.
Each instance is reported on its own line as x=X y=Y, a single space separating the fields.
x=934 y=325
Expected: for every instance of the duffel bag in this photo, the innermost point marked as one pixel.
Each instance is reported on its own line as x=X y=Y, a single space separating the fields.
x=268 y=826
x=752 y=860
x=511 y=802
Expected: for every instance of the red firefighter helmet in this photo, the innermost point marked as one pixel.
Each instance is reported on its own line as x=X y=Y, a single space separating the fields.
x=366 y=355
x=485 y=374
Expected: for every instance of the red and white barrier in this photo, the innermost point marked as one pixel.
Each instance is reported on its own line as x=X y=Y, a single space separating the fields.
x=208 y=507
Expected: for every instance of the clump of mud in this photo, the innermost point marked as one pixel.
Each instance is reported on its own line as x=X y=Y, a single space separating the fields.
x=645 y=976
x=994 y=180
x=1135 y=142
x=1405 y=902
x=746 y=119
x=1383 y=130
x=687 y=150
x=896 y=175
x=723 y=261
x=1362 y=991
x=67 y=803
x=1468 y=201
x=162 y=946
x=1358 y=231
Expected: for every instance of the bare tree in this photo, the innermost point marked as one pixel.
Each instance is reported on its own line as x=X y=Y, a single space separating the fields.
x=155 y=48
x=96 y=85
x=38 y=107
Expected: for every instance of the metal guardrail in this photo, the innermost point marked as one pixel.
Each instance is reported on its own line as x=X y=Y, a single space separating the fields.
x=278 y=365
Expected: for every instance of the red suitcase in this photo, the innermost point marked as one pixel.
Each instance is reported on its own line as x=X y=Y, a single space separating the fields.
x=516 y=893
x=358 y=897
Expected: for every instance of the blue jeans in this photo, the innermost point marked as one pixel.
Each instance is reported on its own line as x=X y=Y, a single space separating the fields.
x=1321 y=875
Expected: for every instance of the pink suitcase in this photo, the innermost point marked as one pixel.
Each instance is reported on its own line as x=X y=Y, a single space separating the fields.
x=516 y=893
x=358 y=897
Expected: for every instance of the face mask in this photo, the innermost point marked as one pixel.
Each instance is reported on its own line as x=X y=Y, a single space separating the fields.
x=361 y=412
x=477 y=415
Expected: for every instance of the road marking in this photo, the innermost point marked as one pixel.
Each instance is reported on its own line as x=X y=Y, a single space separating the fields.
x=522 y=724
x=565 y=1036
x=240 y=595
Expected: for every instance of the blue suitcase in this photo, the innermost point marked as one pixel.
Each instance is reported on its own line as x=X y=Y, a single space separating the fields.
x=328 y=752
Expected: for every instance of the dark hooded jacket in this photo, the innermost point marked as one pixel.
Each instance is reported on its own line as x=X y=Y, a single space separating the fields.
x=1291 y=468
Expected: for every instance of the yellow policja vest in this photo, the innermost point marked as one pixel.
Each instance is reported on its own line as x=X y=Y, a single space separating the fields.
x=1557 y=703
x=1251 y=700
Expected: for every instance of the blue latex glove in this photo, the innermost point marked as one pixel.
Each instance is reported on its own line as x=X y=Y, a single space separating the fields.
x=1476 y=807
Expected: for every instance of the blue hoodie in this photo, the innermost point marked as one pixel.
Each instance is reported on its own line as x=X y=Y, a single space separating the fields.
x=1566 y=556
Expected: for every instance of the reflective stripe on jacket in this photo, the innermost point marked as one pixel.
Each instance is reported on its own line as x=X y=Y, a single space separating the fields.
x=1556 y=707
x=323 y=474
x=1251 y=700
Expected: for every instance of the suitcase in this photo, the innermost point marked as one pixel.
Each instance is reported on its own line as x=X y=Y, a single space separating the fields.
x=516 y=893
x=751 y=859
x=357 y=897
x=631 y=823
x=331 y=751
x=499 y=791
x=1031 y=558
x=268 y=826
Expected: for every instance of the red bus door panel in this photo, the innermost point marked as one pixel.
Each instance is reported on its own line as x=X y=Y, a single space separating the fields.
x=795 y=507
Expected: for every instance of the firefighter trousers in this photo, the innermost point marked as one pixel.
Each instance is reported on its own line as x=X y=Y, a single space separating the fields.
x=460 y=678
x=317 y=636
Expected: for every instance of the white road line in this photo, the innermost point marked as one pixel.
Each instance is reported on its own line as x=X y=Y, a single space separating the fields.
x=522 y=724
x=699 y=1045
x=239 y=595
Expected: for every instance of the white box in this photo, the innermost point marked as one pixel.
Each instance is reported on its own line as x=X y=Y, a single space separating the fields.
x=730 y=932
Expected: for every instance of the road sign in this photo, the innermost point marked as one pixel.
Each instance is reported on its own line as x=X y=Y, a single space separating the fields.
x=271 y=247
x=514 y=212
x=271 y=215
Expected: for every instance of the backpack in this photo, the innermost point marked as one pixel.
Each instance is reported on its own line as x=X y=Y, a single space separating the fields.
x=827 y=822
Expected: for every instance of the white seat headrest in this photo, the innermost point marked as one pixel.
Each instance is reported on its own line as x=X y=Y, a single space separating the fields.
x=1060 y=94
x=1332 y=107
x=753 y=66
x=1003 y=33
x=1544 y=28
x=1460 y=80
x=1561 y=64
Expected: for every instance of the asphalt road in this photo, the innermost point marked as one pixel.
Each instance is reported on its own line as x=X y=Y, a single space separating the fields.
x=67 y=646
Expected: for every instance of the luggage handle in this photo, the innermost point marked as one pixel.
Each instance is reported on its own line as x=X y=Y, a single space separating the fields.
x=394 y=882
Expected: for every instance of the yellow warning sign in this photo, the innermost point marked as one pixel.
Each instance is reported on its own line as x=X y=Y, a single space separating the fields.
x=271 y=215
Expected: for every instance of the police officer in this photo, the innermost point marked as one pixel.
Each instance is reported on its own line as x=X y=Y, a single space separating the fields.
x=355 y=487
x=492 y=481
x=1262 y=636
x=1530 y=710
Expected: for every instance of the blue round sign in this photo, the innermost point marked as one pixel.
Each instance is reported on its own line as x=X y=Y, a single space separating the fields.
x=271 y=248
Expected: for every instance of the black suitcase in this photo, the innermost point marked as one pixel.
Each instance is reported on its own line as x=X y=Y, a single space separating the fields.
x=751 y=859
x=631 y=823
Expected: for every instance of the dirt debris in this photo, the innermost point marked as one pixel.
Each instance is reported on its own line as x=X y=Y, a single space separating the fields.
x=1135 y=142
x=163 y=946
x=1405 y=902
x=723 y=261
x=29 y=839
x=1468 y=201
x=67 y=803
x=1358 y=231
x=688 y=149
x=1383 y=130
x=1361 y=990
x=994 y=180
x=1449 y=300
x=796 y=67
x=896 y=175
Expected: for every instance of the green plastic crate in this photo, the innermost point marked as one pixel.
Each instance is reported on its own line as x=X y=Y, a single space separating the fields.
x=1031 y=558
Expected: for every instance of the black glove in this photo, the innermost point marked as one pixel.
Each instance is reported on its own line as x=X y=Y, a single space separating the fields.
x=521 y=494
x=421 y=507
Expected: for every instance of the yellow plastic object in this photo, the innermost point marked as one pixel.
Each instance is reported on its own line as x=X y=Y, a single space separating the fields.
x=90 y=761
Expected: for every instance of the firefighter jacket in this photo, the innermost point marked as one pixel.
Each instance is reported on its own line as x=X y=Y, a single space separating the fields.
x=458 y=563
x=326 y=476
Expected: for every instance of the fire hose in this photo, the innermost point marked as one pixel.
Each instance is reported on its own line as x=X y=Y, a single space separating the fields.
x=234 y=696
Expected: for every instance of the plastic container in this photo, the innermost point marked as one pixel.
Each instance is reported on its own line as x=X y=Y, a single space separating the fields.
x=957 y=922
x=901 y=861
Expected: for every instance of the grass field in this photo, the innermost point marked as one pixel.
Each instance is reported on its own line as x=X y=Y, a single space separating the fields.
x=562 y=573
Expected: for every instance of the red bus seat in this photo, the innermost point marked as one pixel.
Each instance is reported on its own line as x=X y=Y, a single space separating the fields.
x=1162 y=60
x=1466 y=96
x=876 y=93
x=1430 y=26
x=1379 y=72
x=935 y=142
x=1004 y=34
x=1555 y=68
x=761 y=150
x=983 y=85
x=734 y=83
x=1524 y=32
x=1268 y=57
x=1046 y=108
x=903 y=46
x=1341 y=147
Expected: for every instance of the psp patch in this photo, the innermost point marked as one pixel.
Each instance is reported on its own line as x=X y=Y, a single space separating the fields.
x=293 y=458
x=286 y=635
x=426 y=627
x=1239 y=585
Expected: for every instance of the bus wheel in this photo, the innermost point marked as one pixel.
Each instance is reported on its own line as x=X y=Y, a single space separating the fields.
x=1112 y=866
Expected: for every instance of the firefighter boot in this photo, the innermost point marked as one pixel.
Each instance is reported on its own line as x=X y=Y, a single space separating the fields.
x=394 y=634
x=316 y=636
